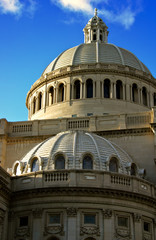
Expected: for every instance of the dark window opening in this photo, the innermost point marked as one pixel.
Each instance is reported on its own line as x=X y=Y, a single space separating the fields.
x=106 y=88
x=119 y=90
x=133 y=170
x=23 y=221
x=154 y=99
x=144 y=96
x=94 y=37
x=54 y=219
x=89 y=85
x=134 y=93
x=59 y=162
x=146 y=226
x=51 y=96
x=100 y=37
x=35 y=165
x=87 y=162
x=113 y=165
x=89 y=219
x=123 y=222
x=77 y=89
x=61 y=92
x=40 y=101
x=34 y=105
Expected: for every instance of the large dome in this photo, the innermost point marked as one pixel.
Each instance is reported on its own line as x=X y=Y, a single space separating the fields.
x=96 y=52
x=74 y=146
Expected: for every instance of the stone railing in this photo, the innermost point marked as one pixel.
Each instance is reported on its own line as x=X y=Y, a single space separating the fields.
x=142 y=119
x=83 y=178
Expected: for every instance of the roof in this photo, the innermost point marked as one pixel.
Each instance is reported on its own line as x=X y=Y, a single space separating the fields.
x=96 y=52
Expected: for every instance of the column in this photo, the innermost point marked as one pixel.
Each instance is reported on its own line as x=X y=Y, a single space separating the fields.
x=127 y=92
x=138 y=95
x=108 y=224
x=137 y=227
x=124 y=95
x=72 y=223
x=2 y=229
x=72 y=91
x=37 y=223
x=45 y=98
x=114 y=90
x=56 y=94
x=151 y=99
x=98 y=90
x=81 y=90
x=94 y=89
x=148 y=99
x=141 y=102
x=84 y=90
x=102 y=85
x=111 y=90
x=131 y=97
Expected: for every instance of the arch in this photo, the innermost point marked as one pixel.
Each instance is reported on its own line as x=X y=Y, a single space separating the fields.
x=119 y=89
x=113 y=164
x=61 y=93
x=39 y=101
x=133 y=169
x=34 y=105
x=87 y=162
x=154 y=99
x=59 y=162
x=77 y=89
x=106 y=88
x=16 y=168
x=35 y=165
x=51 y=96
x=134 y=92
x=89 y=238
x=53 y=238
x=144 y=96
x=89 y=86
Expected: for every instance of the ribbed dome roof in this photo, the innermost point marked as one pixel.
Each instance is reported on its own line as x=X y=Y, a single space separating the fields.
x=96 y=52
x=74 y=145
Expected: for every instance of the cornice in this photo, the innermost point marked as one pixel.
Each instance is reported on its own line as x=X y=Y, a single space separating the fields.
x=130 y=132
x=83 y=192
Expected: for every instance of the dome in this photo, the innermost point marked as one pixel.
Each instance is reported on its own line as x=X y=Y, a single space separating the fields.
x=96 y=52
x=74 y=146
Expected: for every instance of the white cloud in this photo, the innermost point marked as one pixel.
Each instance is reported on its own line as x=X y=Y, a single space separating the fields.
x=122 y=13
x=10 y=6
x=16 y=7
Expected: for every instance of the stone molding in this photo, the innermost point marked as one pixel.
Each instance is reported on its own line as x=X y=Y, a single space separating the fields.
x=22 y=232
x=107 y=213
x=37 y=213
x=123 y=234
x=71 y=212
x=137 y=217
x=54 y=230
x=90 y=231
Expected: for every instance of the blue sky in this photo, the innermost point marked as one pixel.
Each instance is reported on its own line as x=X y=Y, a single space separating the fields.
x=34 y=32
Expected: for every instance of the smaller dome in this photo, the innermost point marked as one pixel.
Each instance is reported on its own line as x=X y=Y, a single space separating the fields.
x=75 y=150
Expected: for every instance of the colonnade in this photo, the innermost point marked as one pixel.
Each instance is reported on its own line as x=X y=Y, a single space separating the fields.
x=93 y=89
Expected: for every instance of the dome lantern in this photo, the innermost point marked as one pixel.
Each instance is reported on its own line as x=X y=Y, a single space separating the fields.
x=95 y=30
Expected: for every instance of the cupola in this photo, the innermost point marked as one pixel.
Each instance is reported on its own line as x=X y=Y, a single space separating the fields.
x=95 y=30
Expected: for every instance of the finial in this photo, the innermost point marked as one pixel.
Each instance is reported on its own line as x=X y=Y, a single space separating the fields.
x=95 y=12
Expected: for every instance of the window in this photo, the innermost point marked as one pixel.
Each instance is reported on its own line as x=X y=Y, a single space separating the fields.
x=147 y=226
x=54 y=219
x=34 y=105
x=119 y=90
x=122 y=221
x=23 y=221
x=144 y=96
x=77 y=89
x=59 y=162
x=51 y=96
x=61 y=93
x=17 y=169
x=35 y=165
x=89 y=85
x=89 y=218
x=39 y=101
x=89 y=114
x=113 y=165
x=154 y=99
x=133 y=169
x=106 y=88
x=134 y=93
x=87 y=162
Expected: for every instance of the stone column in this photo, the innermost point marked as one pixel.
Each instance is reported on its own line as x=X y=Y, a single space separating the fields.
x=98 y=90
x=131 y=95
x=94 y=89
x=45 y=98
x=148 y=99
x=111 y=90
x=151 y=100
x=137 y=227
x=141 y=102
x=138 y=95
x=56 y=93
x=124 y=95
x=154 y=228
x=84 y=90
x=37 y=223
x=81 y=90
x=72 y=91
x=68 y=91
x=11 y=225
x=102 y=85
x=127 y=92
x=114 y=90
x=72 y=223
x=2 y=214
x=108 y=224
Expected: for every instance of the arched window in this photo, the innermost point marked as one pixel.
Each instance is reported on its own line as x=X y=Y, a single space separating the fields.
x=39 y=101
x=51 y=96
x=89 y=85
x=77 y=89
x=133 y=170
x=59 y=162
x=87 y=162
x=34 y=105
x=119 y=90
x=106 y=88
x=154 y=99
x=144 y=96
x=113 y=165
x=35 y=165
x=61 y=93
x=134 y=92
